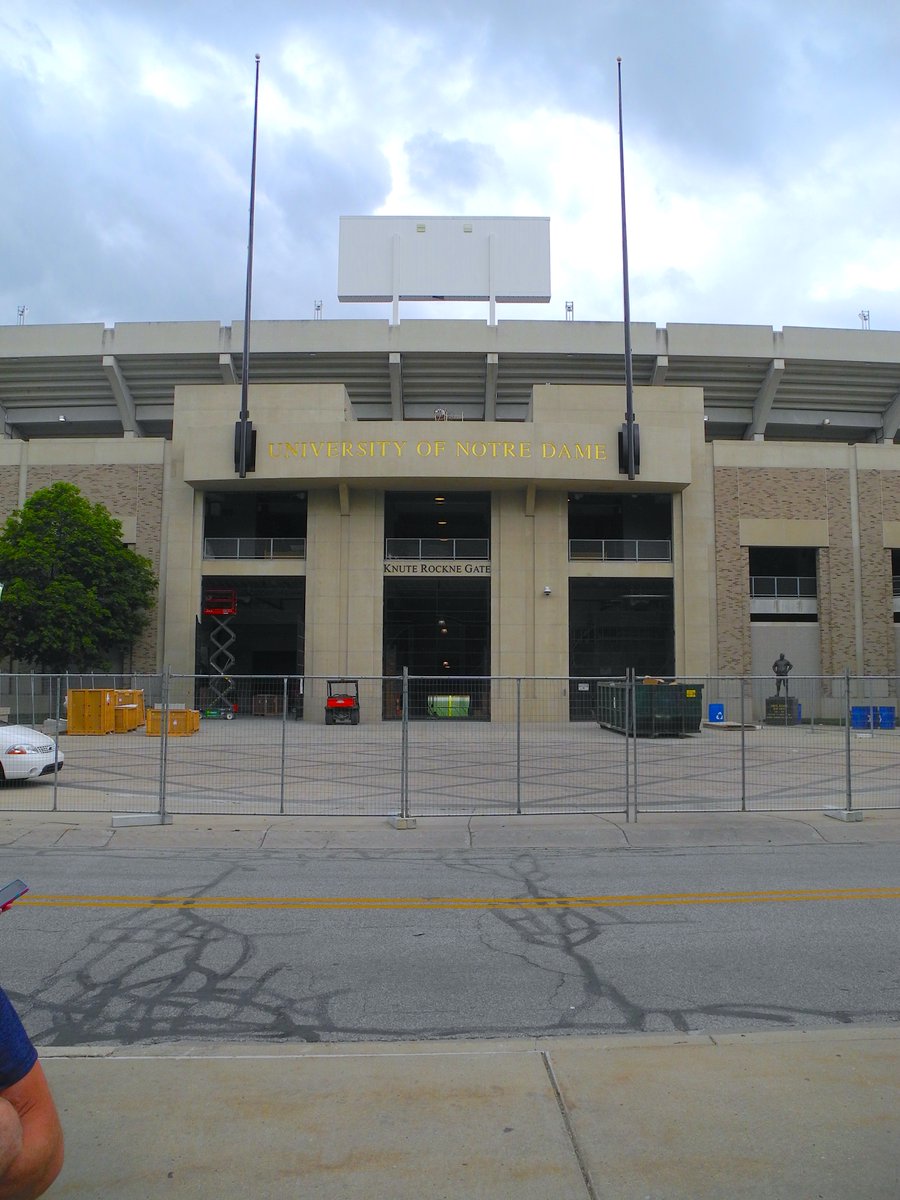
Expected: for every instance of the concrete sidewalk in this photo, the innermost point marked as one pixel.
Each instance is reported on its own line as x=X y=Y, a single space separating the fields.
x=65 y=830
x=744 y=1117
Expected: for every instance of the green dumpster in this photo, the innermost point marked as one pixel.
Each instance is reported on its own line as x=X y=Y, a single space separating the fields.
x=661 y=709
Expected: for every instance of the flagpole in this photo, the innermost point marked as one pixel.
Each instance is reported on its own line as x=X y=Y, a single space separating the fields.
x=245 y=449
x=630 y=428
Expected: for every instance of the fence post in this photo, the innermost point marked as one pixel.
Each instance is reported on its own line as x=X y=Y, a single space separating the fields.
x=284 y=703
x=743 y=752
x=630 y=733
x=56 y=745
x=518 y=747
x=403 y=820
x=163 y=744
x=849 y=804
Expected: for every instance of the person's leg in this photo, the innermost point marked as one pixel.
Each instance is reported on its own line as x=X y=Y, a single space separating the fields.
x=10 y=1136
x=40 y=1158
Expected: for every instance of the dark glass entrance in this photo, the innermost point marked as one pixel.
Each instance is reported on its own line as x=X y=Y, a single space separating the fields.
x=438 y=629
x=268 y=629
x=615 y=624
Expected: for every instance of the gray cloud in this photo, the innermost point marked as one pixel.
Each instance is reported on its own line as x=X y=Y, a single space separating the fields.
x=759 y=134
x=448 y=168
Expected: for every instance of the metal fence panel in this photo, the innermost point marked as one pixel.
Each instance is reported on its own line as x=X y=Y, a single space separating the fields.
x=463 y=746
x=497 y=746
x=811 y=747
x=745 y=753
x=874 y=740
x=345 y=769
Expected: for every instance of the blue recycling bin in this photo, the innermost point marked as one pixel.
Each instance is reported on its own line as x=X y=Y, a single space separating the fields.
x=861 y=716
x=886 y=716
x=716 y=712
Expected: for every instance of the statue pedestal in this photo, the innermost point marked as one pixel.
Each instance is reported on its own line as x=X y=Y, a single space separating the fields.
x=782 y=710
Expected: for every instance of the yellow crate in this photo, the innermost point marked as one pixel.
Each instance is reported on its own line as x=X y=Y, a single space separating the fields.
x=90 y=710
x=129 y=697
x=127 y=717
x=183 y=722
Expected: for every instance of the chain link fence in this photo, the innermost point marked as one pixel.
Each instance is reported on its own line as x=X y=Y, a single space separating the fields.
x=400 y=745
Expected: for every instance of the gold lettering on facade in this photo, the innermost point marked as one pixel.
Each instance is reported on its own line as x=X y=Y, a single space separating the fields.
x=437 y=447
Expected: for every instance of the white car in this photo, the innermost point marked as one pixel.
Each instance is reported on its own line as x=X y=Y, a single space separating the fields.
x=26 y=753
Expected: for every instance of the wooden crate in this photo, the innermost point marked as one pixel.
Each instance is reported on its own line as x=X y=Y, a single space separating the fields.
x=183 y=722
x=132 y=696
x=90 y=710
x=128 y=717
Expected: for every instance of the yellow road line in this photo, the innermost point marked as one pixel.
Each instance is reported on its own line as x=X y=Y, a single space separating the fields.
x=460 y=902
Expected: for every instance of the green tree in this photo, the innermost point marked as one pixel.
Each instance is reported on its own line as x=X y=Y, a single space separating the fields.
x=73 y=594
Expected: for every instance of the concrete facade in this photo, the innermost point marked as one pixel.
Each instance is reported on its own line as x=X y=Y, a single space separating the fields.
x=733 y=428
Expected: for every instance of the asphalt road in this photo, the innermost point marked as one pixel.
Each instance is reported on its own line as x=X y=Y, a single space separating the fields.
x=350 y=945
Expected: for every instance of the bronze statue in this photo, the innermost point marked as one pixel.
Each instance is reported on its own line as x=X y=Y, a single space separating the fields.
x=782 y=668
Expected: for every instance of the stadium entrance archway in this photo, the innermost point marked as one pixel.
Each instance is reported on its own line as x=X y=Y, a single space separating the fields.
x=439 y=629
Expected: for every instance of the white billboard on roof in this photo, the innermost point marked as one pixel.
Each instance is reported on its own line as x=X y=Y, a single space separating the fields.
x=506 y=259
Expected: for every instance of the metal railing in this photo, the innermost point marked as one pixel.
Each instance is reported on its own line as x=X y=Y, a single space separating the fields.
x=449 y=548
x=247 y=547
x=783 y=587
x=620 y=550
x=459 y=746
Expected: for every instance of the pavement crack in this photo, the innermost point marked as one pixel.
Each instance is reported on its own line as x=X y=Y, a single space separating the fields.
x=569 y=1127
x=624 y=832
x=262 y=841
x=809 y=825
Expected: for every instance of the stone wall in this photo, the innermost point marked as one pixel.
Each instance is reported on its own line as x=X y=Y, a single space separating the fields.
x=879 y=501
x=789 y=493
x=782 y=494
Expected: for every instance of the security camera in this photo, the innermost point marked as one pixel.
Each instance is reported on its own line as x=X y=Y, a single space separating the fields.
x=547 y=591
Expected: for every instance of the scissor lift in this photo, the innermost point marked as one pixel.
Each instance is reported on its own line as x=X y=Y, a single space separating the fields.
x=221 y=605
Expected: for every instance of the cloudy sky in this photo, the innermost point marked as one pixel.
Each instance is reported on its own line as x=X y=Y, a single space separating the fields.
x=762 y=151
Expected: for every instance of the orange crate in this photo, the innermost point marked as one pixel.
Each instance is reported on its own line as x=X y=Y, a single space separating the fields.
x=132 y=696
x=90 y=710
x=182 y=722
x=127 y=717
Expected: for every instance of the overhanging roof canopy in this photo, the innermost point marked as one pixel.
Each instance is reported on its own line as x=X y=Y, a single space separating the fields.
x=832 y=385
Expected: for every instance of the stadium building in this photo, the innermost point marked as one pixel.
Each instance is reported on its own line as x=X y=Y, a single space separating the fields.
x=447 y=496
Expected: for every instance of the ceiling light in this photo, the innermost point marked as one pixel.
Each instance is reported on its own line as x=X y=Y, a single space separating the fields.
x=62 y=418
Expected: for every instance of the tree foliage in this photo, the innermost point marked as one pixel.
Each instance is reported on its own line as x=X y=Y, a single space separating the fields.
x=73 y=594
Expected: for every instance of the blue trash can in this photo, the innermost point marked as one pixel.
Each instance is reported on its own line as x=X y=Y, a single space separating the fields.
x=861 y=717
x=717 y=712
x=886 y=714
